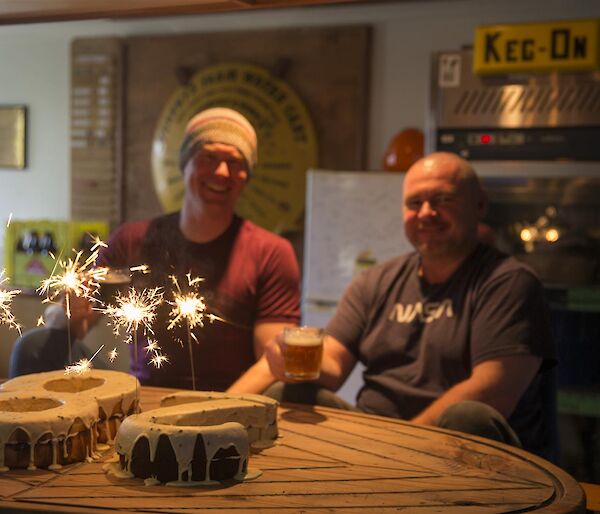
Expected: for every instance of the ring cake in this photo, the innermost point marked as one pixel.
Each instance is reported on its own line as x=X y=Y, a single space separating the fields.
x=195 y=438
x=114 y=393
x=45 y=431
x=260 y=422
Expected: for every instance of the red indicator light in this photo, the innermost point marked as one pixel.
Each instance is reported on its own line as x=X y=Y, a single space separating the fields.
x=484 y=139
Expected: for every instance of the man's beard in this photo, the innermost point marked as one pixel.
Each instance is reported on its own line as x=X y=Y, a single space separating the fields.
x=435 y=249
x=441 y=248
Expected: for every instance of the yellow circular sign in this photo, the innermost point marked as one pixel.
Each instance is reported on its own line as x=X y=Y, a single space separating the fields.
x=287 y=145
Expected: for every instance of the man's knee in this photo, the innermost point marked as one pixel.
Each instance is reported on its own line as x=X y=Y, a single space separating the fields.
x=275 y=391
x=309 y=393
x=467 y=414
x=478 y=418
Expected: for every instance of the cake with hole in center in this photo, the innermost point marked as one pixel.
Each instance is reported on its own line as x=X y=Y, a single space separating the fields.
x=113 y=393
x=45 y=431
x=195 y=438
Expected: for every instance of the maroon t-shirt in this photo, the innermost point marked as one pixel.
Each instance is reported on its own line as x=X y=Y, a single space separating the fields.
x=251 y=276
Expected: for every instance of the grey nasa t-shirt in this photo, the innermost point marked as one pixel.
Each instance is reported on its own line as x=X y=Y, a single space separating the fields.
x=417 y=339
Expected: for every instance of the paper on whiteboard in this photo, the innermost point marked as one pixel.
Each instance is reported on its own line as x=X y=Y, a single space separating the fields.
x=353 y=220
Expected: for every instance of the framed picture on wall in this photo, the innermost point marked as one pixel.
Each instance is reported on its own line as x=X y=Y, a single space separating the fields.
x=13 y=132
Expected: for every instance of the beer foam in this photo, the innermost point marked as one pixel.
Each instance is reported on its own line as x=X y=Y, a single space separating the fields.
x=116 y=277
x=303 y=339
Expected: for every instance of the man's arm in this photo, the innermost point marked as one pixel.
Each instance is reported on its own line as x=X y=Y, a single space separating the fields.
x=278 y=298
x=499 y=382
x=258 y=377
x=338 y=362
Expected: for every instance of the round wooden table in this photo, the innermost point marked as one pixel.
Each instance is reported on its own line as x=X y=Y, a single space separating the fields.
x=325 y=461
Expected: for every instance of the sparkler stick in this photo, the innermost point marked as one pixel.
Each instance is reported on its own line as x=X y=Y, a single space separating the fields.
x=189 y=307
x=78 y=278
x=6 y=298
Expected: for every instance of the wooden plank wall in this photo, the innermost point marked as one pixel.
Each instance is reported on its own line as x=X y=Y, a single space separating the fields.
x=328 y=68
x=96 y=129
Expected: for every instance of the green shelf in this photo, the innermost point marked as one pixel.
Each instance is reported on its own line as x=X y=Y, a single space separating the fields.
x=579 y=402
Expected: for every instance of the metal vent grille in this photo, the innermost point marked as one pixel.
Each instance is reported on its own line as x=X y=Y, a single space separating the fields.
x=541 y=100
x=511 y=99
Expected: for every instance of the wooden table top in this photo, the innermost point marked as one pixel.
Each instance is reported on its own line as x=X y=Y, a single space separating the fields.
x=326 y=460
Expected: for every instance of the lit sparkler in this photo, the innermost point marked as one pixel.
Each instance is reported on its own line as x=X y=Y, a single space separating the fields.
x=83 y=365
x=6 y=298
x=79 y=278
x=191 y=309
x=134 y=310
x=40 y=321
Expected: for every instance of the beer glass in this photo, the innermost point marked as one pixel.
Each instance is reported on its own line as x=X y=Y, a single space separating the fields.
x=302 y=352
x=117 y=281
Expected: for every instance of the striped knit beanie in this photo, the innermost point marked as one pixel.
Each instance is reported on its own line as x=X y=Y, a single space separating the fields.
x=218 y=125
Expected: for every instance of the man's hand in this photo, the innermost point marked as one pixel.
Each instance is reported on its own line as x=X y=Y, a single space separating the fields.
x=274 y=356
x=258 y=377
x=82 y=316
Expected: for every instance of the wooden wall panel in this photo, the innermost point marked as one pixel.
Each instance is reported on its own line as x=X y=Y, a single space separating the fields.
x=96 y=129
x=328 y=67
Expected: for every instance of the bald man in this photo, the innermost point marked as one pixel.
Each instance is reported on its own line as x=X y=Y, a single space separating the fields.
x=454 y=334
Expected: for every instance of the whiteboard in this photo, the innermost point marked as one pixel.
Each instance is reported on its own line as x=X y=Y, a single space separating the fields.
x=353 y=220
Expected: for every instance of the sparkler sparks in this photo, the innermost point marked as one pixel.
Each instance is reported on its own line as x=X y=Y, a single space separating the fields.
x=112 y=355
x=189 y=308
x=6 y=298
x=158 y=360
x=135 y=309
x=152 y=346
x=83 y=365
x=78 y=278
x=98 y=243
x=142 y=268
x=40 y=321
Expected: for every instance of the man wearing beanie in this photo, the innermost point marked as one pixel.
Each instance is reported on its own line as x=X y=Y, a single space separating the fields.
x=250 y=276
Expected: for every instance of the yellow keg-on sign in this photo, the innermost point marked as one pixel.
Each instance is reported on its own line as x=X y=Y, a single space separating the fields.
x=287 y=146
x=526 y=47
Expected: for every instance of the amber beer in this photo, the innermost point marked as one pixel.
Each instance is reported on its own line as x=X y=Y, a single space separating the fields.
x=302 y=352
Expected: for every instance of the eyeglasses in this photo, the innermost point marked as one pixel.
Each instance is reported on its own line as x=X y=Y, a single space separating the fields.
x=211 y=160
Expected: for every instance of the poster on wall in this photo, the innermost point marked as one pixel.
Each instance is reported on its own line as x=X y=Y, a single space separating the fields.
x=287 y=142
x=12 y=136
